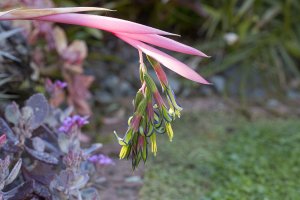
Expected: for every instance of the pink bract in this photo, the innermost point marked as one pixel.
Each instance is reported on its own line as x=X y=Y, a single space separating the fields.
x=133 y=33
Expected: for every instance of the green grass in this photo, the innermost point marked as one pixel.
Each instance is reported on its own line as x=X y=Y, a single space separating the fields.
x=224 y=157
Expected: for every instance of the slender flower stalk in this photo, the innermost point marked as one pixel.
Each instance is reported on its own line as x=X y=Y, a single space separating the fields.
x=152 y=116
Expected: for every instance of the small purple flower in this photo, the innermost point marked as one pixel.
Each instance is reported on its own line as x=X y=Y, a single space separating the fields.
x=60 y=84
x=71 y=122
x=53 y=87
x=101 y=159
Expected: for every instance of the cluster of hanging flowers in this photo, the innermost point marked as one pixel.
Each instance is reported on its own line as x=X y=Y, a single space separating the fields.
x=152 y=115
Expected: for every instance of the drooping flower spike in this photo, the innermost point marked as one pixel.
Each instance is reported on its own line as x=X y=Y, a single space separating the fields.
x=151 y=115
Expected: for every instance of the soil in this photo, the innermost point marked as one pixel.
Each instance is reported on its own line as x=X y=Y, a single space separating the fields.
x=121 y=182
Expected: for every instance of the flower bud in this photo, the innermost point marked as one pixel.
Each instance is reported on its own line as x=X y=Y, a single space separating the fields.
x=141 y=107
x=158 y=99
x=135 y=123
x=150 y=111
x=138 y=98
x=150 y=83
x=161 y=75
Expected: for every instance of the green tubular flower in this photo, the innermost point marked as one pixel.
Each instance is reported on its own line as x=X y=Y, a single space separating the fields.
x=143 y=70
x=141 y=108
x=145 y=152
x=142 y=147
x=172 y=101
x=150 y=83
x=150 y=129
x=150 y=111
x=136 y=150
x=143 y=126
x=157 y=120
x=166 y=115
x=137 y=100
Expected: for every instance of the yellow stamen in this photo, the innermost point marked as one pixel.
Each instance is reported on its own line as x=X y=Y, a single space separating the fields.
x=153 y=144
x=169 y=131
x=124 y=151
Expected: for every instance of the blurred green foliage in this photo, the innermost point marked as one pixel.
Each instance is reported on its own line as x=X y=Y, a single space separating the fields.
x=265 y=48
x=260 y=162
x=222 y=156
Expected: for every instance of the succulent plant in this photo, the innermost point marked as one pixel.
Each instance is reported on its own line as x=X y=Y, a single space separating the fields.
x=40 y=159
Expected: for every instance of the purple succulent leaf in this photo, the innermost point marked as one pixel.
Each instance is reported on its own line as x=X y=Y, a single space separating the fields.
x=22 y=191
x=4 y=169
x=27 y=114
x=12 y=113
x=42 y=156
x=2 y=184
x=70 y=181
x=62 y=181
x=28 y=190
x=5 y=129
x=66 y=143
x=42 y=173
x=92 y=149
x=80 y=181
x=14 y=172
x=40 y=106
x=38 y=144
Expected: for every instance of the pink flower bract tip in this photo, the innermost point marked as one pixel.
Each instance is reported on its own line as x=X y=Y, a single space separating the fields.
x=165 y=59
